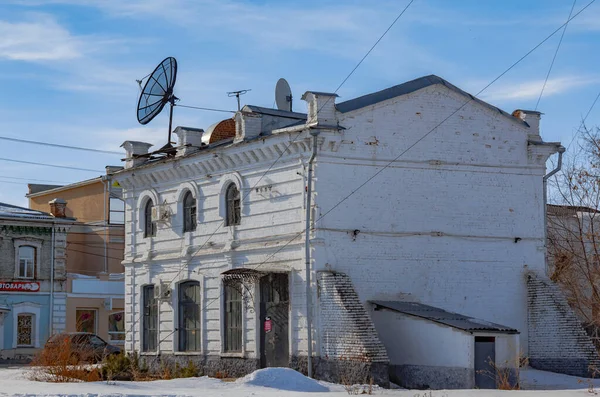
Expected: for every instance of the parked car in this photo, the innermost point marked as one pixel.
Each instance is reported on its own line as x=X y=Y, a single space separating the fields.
x=85 y=346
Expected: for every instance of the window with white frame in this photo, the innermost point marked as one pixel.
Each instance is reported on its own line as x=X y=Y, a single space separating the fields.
x=25 y=322
x=149 y=226
x=26 y=261
x=150 y=320
x=233 y=318
x=189 y=316
x=116 y=327
x=189 y=212
x=232 y=205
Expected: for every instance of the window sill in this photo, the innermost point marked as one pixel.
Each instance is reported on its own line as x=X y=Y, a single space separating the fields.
x=25 y=347
x=234 y=355
x=148 y=353
x=195 y=353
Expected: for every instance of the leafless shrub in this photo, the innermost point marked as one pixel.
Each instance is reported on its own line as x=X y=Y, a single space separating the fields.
x=61 y=361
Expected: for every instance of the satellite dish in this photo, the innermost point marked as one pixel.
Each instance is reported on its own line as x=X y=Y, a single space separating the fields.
x=283 y=95
x=157 y=92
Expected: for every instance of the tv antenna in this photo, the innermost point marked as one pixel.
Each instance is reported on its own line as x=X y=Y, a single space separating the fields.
x=237 y=95
x=157 y=92
x=283 y=95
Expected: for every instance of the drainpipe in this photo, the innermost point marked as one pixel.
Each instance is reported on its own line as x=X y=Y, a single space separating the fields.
x=51 y=327
x=314 y=134
x=105 y=182
x=561 y=150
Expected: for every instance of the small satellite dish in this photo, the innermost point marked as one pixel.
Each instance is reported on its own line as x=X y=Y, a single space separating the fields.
x=157 y=92
x=283 y=95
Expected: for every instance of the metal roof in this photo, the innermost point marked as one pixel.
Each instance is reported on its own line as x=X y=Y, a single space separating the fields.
x=275 y=112
x=410 y=87
x=37 y=187
x=441 y=316
x=13 y=211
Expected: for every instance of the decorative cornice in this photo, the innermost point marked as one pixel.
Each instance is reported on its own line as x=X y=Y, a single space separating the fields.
x=219 y=160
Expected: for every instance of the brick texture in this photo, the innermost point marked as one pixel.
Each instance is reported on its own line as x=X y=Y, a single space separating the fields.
x=557 y=341
x=347 y=332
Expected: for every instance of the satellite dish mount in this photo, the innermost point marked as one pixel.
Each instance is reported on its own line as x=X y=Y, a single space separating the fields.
x=157 y=92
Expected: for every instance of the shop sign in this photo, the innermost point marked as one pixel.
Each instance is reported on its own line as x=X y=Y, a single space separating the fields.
x=19 y=286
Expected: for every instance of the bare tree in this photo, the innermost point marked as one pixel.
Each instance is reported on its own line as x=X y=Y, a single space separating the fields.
x=574 y=230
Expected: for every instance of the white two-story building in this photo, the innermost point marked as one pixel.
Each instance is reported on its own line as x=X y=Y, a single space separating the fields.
x=423 y=203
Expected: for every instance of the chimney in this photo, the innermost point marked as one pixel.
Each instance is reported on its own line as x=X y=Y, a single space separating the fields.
x=58 y=207
x=532 y=118
x=247 y=125
x=190 y=140
x=321 y=107
x=132 y=149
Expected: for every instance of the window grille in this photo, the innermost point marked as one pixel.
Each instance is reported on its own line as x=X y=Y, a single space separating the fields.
x=189 y=316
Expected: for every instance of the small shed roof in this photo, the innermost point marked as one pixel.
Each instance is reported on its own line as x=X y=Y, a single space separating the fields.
x=441 y=316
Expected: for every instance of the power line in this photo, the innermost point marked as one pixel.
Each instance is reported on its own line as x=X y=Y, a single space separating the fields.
x=555 y=54
x=583 y=120
x=31 y=179
x=59 y=146
x=411 y=146
x=208 y=109
x=293 y=140
x=50 y=165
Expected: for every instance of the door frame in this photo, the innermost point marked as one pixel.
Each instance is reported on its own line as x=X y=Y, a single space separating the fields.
x=260 y=317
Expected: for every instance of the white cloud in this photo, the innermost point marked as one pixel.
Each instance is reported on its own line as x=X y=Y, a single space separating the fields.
x=41 y=39
x=531 y=89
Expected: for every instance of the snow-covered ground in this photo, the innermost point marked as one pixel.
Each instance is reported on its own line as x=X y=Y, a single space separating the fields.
x=269 y=382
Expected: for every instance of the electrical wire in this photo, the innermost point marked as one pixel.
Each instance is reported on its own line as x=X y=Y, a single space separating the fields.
x=50 y=165
x=583 y=120
x=295 y=138
x=555 y=54
x=209 y=109
x=31 y=179
x=397 y=157
x=59 y=146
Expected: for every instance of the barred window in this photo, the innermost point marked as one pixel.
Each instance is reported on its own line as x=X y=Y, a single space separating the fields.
x=232 y=200
x=233 y=318
x=149 y=226
x=25 y=330
x=189 y=212
x=150 y=320
x=189 y=316
x=26 y=262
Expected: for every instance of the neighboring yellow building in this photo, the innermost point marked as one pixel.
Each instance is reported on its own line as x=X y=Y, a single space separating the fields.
x=95 y=276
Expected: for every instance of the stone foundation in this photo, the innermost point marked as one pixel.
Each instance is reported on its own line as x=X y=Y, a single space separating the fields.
x=215 y=366
x=344 y=372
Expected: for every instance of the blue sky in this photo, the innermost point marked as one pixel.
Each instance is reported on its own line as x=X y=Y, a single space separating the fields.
x=68 y=67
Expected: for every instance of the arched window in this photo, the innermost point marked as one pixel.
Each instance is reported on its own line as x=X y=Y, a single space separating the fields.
x=189 y=316
x=26 y=262
x=149 y=226
x=189 y=212
x=232 y=200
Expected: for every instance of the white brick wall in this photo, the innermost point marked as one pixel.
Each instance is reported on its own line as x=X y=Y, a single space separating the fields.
x=558 y=342
x=454 y=223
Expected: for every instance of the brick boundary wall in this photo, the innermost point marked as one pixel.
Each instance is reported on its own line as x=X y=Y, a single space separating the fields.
x=348 y=334
x=557 y=340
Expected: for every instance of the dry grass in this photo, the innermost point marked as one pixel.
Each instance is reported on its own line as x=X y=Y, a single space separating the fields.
x=62 y=362
x=505 y=376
